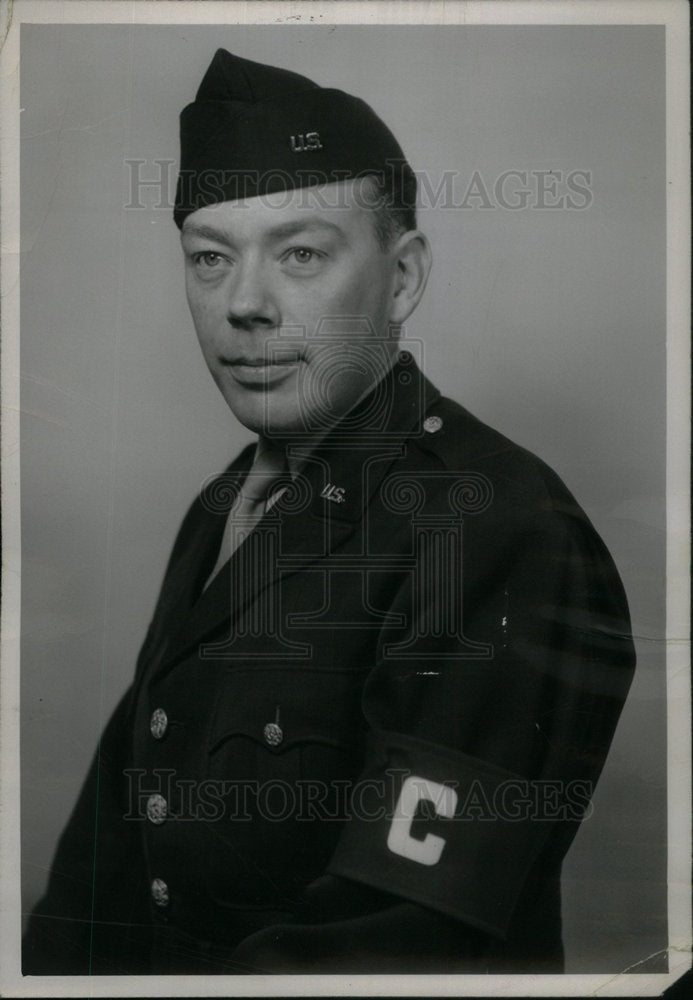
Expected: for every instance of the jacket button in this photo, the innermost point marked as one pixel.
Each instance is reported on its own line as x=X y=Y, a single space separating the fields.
x=273 y=734
x=158 y=723
x=432 y=424
x=159 y=891
x=157 y=809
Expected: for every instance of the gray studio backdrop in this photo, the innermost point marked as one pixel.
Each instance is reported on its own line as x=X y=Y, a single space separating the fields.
x=547 y=322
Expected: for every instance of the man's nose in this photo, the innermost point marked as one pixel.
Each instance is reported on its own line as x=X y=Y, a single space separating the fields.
x=251 y=302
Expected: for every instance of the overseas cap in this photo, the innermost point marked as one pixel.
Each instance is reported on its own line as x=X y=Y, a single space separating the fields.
x=256 y=129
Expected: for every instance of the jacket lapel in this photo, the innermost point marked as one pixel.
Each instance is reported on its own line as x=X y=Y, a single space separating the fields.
x=312 y=520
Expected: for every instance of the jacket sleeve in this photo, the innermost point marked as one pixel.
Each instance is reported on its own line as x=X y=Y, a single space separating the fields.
x=480 y=765
x=500 y=752
x=348 y=927
x=95 y=870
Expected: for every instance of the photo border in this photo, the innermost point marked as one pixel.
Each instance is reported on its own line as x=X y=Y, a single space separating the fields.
x=674 y=16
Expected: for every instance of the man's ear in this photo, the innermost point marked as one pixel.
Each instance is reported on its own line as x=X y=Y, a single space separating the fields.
x=412 y=260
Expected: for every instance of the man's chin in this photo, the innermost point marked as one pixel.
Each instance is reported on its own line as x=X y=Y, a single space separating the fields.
x=280 y=414
x=271 y=421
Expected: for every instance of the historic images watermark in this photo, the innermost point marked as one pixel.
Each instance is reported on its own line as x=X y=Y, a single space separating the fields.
x=163 y=794
x=429 y=507
x=151 y=185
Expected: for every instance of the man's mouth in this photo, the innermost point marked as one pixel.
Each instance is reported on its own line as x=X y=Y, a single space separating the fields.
x=260 y=372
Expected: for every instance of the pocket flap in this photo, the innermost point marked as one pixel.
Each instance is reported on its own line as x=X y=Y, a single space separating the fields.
x=284 y=706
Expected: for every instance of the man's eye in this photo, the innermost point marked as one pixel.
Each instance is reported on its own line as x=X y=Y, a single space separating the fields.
x=302 y=255
x=208 y=258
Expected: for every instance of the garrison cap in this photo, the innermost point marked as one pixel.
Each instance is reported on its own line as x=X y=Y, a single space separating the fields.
x=256 y=129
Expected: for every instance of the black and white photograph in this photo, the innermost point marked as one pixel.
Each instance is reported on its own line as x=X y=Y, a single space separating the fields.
x=345 y=499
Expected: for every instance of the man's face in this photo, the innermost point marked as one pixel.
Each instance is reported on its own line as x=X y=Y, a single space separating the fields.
x=291 y=302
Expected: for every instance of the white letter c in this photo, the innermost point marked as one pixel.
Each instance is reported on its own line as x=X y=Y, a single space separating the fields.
x=400 y=841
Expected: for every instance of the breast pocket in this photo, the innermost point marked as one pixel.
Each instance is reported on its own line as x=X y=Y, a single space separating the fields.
x=285 y=745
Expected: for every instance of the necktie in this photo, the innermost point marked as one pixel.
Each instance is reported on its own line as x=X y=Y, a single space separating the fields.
x=255 y=497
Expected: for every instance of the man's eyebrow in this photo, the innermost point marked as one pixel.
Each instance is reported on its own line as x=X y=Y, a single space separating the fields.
x=281 y=231
x=285 y=229
x=200 y=229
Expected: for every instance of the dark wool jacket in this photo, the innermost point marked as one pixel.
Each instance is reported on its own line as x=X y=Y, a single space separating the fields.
x=368 y=744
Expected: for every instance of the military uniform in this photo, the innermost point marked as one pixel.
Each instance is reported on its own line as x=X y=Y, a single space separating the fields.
x=368 y=743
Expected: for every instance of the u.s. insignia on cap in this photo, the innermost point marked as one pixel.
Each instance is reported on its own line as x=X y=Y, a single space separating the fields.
x=304 y=142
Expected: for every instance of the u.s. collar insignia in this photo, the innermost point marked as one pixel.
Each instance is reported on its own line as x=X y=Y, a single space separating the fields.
x=334 y=493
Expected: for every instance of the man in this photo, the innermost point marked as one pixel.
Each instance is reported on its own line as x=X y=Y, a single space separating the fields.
x=389 y=652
